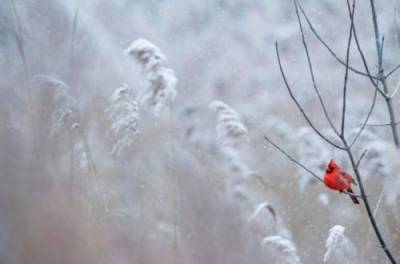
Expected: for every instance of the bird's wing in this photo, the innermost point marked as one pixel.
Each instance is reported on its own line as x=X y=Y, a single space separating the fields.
x=348 y=177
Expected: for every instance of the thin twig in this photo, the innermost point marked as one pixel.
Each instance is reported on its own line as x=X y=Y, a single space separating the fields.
x=392 y=117
x=298 y=104
x=349 y=153
x=74 y=27
x=395 y=90
x=310 y=67
x=330 y=50
x=19 y=37
x=367 y=206
x=392 y=71
x=377 y=89
x=382 y=45
x=293 y=159
x=346 y=74
x=376 y=31
x=366 y=118
x=378 y=203
x=382 y=79
x=361 y=157
x=360 y=51
x=387 y=124
x=290 y=157
x=318 y=36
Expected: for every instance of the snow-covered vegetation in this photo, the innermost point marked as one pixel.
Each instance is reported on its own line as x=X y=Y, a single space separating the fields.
x=132 y=132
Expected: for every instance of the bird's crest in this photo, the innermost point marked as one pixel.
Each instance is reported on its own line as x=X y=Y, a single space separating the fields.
x=331 y=166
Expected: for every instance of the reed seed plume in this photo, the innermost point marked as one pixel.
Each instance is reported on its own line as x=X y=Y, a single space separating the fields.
x=230 y=128
x=230 y=134
x=250 y=201
x=339 y=246
x=123 y=112
x=336 y=235
x=161 y=80
x=283 y=250
x=66 y=112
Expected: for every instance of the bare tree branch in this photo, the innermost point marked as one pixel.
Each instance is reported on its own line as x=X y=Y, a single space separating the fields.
x=392 y=71
x=310 y=67
x=387 y=124
x=376 y=31
x=346 y=74
x=361 y=157
x=293 y=159
x=298 y=163
x=377 y=89
x=381 y=75
x=366 y=74
x=382 y=45
x=330 y=50
x=366 y=118
x=74 y=28
x=367 y=206
x=346 y=147
x=382 y=79
x=369 y=75
x=392 y=117
x=298 y=104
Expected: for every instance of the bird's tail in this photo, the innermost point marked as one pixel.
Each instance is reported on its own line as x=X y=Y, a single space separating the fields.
x=353 y=197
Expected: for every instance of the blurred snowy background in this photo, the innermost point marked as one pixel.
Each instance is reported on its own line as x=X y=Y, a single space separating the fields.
x=156 y=155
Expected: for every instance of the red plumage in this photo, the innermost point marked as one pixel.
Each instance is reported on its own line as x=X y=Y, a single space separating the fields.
x=338 y=180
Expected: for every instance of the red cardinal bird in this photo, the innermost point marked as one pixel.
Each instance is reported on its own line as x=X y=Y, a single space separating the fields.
x=338 y=180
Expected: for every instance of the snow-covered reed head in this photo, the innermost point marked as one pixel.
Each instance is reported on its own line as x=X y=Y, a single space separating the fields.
x=283 y=250
x=123 y=112
x=247 y=197
x=380 y=159
x=339 y=245
x=65 y=113
x=263 y=220
x=230 y=132
x=230 y=128
x=160 y=77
